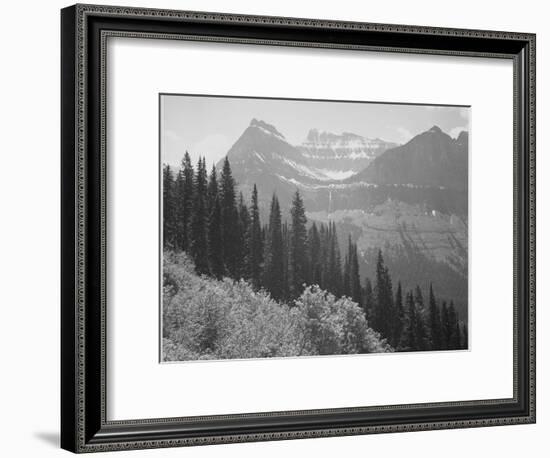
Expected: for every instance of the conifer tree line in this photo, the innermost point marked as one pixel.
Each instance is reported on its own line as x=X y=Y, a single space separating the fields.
x=204 y=216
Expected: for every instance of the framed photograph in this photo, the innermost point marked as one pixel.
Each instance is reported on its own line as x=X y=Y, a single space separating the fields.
x=278 y=228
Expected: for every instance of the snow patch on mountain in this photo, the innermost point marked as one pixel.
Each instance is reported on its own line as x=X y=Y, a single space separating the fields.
x=314 y=186
x=259 y=156
x=346 y=152
x=346 y=140
x=321 y=174
x=360 y=154
x=337 y=174
x=267 y=128
x=304 y=170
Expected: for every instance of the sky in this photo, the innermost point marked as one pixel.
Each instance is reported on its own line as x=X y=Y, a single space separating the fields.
x=208 y=126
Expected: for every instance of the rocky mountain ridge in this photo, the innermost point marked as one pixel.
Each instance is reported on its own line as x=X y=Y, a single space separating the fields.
x=409 y=200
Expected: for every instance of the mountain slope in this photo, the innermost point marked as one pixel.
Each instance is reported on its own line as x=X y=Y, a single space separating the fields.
x=432 y=158
x=411 y=201
x=342 y=155
x=262 y=155
x=323 y=158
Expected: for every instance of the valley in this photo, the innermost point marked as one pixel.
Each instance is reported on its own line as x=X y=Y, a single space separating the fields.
x=409 y=200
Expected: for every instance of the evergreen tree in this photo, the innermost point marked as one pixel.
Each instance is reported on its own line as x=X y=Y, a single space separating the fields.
x=445 y=335
x=408 y=337
x=421 y=335
x=435 y=322
x=314 y=246
x=243 y=242
x=185 y=183
x=254 y=259
x=346 y=278
x=273 y=254
x=168 y=208
x=229 y=221
x=337 y=291
x=399 y=319
x=418 y=300
x=355 y=280
x=286 y=262
x=452 y=326
x=334 y=271
x=212 y=193
x=180 y=202
x=368 y=300
x=383 y=313
x=199 y=242
x=298 y=255
x=215 y=246
x=323 y=257
x=214 y=235
x=464 y=336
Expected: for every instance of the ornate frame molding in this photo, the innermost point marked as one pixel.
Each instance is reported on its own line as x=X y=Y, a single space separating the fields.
x=85 y=30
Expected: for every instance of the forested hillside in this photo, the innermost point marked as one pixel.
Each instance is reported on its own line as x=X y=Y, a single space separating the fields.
x=284 y=270
x=205 y=318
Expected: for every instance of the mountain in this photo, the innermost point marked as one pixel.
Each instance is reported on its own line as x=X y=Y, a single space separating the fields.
x=432 y=158
x=263 y=155
x=409 y=200
x=341 y=156
x=262 y=152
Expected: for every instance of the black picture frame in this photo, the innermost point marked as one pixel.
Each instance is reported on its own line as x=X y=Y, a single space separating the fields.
x=84 y=29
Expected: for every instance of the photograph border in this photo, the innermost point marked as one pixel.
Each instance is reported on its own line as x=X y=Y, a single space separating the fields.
x=290 y=99
x=85 y=29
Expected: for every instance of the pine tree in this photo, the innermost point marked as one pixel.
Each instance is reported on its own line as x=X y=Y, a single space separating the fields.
x=334 y=272
x=180 y=202
x=215 y=246
x=254 y=259
x=323 y=257
x=355 y=280
x=286 y=262
x=399 y=319
x=445 y=336
x=435 y=322
x=419 y=300
x=214 y=235
x=229 y=221
x=314 y=246
x=351 y=283
x=212 y=193
x=168 y=208
x=454 y=338
x=242 y=233
x=273 y=255
x=338 y=264
x=185 y=184
x=408 y=337
x=199 y=222
x=465 y=342
x=346 y=278
x=383 y=313
x=368 y=300
x=298 y=255
x=421 y=335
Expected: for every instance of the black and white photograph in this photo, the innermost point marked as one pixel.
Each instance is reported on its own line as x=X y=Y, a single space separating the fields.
x=294 y=227
x=275 y=229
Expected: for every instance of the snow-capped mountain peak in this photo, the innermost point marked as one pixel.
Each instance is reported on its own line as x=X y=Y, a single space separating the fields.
x=261 y=152
x=346 y=152
x=435 y=129
x=266 y=128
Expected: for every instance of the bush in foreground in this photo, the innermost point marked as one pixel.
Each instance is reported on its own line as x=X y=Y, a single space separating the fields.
x=204 y=318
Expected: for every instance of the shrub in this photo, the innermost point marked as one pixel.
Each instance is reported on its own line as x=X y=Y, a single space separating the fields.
x=204 y=318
